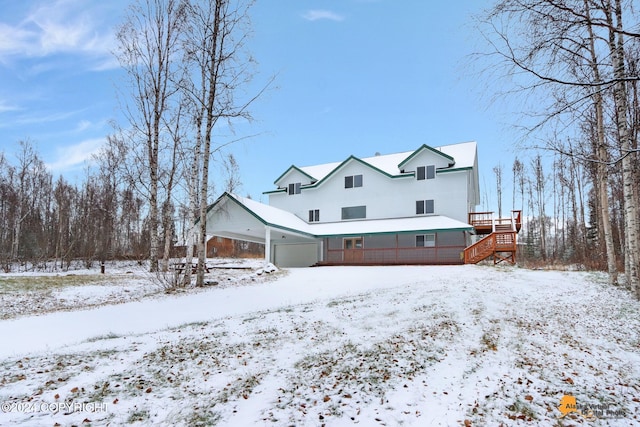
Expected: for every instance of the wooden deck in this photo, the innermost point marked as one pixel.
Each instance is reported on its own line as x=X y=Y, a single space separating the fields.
x=500 y=237
x=485 y=223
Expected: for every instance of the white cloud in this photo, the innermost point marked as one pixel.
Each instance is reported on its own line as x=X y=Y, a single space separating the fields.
x=83 y=125
x=61 y=26
x=317 y=14
x=72 y=156
x=4 y=107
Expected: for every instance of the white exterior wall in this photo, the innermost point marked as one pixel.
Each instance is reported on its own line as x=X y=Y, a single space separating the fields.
x=384 y=197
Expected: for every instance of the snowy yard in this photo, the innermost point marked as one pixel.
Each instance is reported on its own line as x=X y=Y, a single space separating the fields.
x=451 y=345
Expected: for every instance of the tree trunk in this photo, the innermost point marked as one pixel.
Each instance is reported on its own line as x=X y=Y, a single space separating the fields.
x=621 y=105
x=602 y=173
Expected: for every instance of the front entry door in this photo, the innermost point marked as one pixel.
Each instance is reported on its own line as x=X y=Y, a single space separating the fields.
x=353 y=253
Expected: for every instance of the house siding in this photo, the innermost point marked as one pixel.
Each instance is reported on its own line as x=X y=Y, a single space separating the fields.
x=399 y=248
x=384 y=197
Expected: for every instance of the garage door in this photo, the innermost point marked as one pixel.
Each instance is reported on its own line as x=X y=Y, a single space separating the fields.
x=296 y=254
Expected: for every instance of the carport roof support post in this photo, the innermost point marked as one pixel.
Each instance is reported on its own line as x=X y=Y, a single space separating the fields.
x=267 y=244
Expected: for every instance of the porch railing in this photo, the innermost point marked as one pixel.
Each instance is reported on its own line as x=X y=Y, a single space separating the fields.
x=401 y=255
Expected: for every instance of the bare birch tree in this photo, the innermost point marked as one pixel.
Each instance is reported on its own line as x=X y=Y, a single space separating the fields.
x=613 y=13
x=219 y=69
x=567 y=56
x=148 y=48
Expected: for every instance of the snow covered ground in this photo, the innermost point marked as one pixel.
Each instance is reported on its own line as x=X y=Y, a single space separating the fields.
x=335 y=346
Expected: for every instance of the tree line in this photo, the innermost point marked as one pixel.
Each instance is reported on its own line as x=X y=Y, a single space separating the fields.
x=186 y=90
x=48 y=223
x=573 y=66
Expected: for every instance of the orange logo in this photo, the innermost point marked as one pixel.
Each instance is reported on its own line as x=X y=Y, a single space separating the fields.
x=569 y=404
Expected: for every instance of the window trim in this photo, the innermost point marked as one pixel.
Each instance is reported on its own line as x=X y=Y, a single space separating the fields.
x=425 y=172
x=428 y=240
x=431 y=172
x=421 y=207
x=353 y=181
x=344 y=210
x=294 y=188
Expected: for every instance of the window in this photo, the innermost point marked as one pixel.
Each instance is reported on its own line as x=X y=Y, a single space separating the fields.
x=353 y=181
x=314 y=215
x=425 y=240
x=354 y=212
x=355 y=243
x=424 y=207
x=294 y=188
x=426 y=172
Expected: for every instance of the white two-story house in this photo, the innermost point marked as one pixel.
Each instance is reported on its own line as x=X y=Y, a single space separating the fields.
x=403 y=208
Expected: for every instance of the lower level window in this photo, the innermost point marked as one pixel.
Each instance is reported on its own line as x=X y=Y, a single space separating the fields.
x=425 y=240
x=314 y=215
x=354 y=212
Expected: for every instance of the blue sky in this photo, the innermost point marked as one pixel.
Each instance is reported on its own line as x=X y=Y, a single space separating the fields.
x=353 y=77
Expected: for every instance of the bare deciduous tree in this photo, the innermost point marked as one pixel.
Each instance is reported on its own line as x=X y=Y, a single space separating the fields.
x=148 y=51
x=568 y=58
x=219 y=67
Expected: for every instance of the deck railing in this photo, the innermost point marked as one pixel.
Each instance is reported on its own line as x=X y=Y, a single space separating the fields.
x=484 y=222
x=499 y=241
x=481 y=219
x=400 y=255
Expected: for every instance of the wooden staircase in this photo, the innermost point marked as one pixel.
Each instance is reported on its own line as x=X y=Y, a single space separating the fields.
x=500 y=239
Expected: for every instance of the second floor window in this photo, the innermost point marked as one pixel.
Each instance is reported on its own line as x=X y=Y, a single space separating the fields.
x=314 y=215
x=424 y=207
x=294 y=188
x=354 y=212
x=353 y=181
x=426 y=172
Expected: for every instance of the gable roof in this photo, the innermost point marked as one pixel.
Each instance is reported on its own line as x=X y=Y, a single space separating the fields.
x=460 y=156
x=293 y=168
x=421 y=149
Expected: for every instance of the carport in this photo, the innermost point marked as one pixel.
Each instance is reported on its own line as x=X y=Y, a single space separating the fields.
x=287 y=243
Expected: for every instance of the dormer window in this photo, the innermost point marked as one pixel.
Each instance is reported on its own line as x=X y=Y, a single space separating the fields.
x=353 y=181
x=294 y=188
x=426 y=172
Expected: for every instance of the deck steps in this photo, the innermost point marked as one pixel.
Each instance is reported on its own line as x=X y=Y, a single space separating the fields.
x=500 y=237
x=501 y=245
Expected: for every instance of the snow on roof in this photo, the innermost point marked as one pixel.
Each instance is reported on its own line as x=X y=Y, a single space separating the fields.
x=286 y=220
x=463 y=153
x=271 y=215
x=392 y=225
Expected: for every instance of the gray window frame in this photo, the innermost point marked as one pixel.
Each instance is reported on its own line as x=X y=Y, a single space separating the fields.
x=354 y=212
x=314 y=215
x=353 y=181
x=422 y=207
x=294 y=188
x=425 y=172
x=423 y=238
